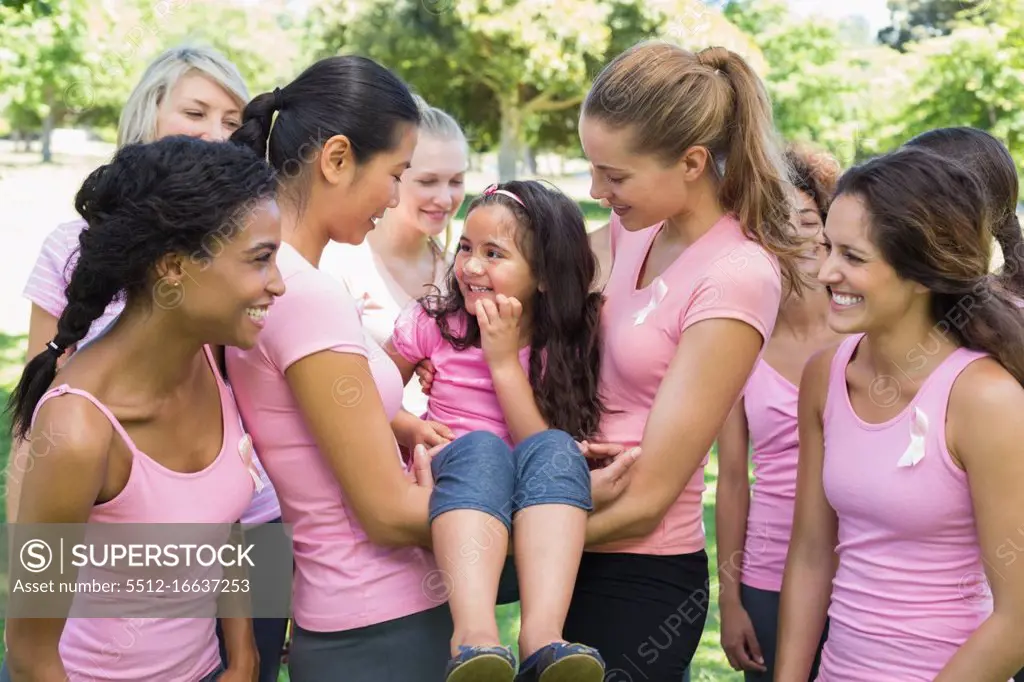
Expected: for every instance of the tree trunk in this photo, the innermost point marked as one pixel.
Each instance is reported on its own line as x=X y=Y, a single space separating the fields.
x=48 y=131
x=530 y=156
x=511 y=124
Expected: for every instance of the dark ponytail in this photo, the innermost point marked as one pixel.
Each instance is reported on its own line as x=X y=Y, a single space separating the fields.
x=987 y=157
x=565 y=344
x=930 y=221
x=169 y=196
x=344 y=95
x=257 y=121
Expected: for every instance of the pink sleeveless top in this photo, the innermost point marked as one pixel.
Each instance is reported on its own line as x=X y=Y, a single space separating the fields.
x=770 y=403
x=157 y=649
x=910 y=588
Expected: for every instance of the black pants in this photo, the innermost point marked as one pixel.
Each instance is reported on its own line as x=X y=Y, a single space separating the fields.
x=645 y=614
x=763 y=608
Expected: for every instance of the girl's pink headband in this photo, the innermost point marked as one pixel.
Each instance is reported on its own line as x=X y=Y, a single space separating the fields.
x=493 y=189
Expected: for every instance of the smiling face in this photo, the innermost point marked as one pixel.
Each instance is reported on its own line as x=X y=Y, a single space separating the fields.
x=357 y=195
x=806 y=220
x=489 y=261
x=433 y=188
x=229 y=285
x=198 y=107
x=634 y=185
x=866 y=293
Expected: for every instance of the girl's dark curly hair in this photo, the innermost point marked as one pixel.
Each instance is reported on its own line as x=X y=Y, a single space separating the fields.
x=565 y=349
x=168 y=196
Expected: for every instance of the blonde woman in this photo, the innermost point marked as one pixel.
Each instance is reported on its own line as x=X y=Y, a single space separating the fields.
x=186 y=90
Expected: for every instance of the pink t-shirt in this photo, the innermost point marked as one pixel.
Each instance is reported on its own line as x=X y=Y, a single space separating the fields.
x=911 y=584
x=721 y=275
x=45 y=287
x=462 y=396
x=342 y=580
x=770 y=405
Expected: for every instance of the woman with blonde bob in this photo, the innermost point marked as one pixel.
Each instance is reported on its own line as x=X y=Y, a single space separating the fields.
x=186 y=90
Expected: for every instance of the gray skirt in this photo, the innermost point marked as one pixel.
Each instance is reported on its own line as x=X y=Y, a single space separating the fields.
x=415 y=648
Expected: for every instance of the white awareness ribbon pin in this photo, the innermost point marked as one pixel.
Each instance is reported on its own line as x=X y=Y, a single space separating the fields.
x=918 y=430
x=658 y=292
x=245 y=451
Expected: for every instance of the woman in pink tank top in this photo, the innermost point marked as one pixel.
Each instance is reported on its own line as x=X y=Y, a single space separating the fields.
x=139 y=427
x=910 y=463
x=753 y=530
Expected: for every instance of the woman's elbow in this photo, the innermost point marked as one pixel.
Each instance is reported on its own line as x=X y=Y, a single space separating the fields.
x=390 y=528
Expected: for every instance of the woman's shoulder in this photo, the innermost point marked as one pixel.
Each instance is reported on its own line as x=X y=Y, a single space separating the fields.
x=348 y=263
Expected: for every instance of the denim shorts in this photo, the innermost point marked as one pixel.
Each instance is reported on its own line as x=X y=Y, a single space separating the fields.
x=479 y=471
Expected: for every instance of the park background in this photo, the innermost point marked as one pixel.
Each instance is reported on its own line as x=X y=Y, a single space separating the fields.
x=854 y=78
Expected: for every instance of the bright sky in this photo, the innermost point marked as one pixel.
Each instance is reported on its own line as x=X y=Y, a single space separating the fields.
x=875 y=11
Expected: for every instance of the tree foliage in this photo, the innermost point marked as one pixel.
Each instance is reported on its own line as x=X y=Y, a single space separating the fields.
x=916 y=20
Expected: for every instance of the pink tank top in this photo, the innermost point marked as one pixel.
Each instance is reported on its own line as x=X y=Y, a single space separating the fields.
x=910 y=588
x=770 y=403
x=158 y=649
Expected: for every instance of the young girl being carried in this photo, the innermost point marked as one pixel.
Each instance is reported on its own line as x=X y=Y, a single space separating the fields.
x=514 y=346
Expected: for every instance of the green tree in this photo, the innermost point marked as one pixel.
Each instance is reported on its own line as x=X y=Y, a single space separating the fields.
x=45 y=63
x=511 y=71
x=915 y=20
x=970 y=77
x=824 y=86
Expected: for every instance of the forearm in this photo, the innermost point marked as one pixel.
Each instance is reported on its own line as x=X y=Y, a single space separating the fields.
x=626 y=518
x=240 y=644
x=732 y=505
x=515 y=395
x=993 y=653
x=405 y=521
x=33 y=656
x=806 y=593
x=403 y=426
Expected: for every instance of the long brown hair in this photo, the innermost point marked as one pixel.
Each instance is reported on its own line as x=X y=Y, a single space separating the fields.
x=674 y=99
x=989 y=158
x=565 y=358
x=931 y=222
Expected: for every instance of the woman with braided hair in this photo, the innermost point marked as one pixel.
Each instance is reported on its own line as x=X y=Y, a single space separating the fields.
x=185 y=232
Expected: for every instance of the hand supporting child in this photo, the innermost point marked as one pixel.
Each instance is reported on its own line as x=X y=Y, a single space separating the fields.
x=611 y=473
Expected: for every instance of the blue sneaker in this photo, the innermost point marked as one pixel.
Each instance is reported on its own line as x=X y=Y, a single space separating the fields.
x=562 y=662
x=482 y=664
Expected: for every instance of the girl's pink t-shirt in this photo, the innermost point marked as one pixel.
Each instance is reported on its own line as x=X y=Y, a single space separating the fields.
x=462 y=396
x=723 y=274
x=342 y=580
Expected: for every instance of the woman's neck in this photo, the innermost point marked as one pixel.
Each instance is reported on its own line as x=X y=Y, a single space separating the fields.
x=909 y=351
x=399 y=241
x=304 y=234
x=804 y=316
x=689 y=226
x=156 y=355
